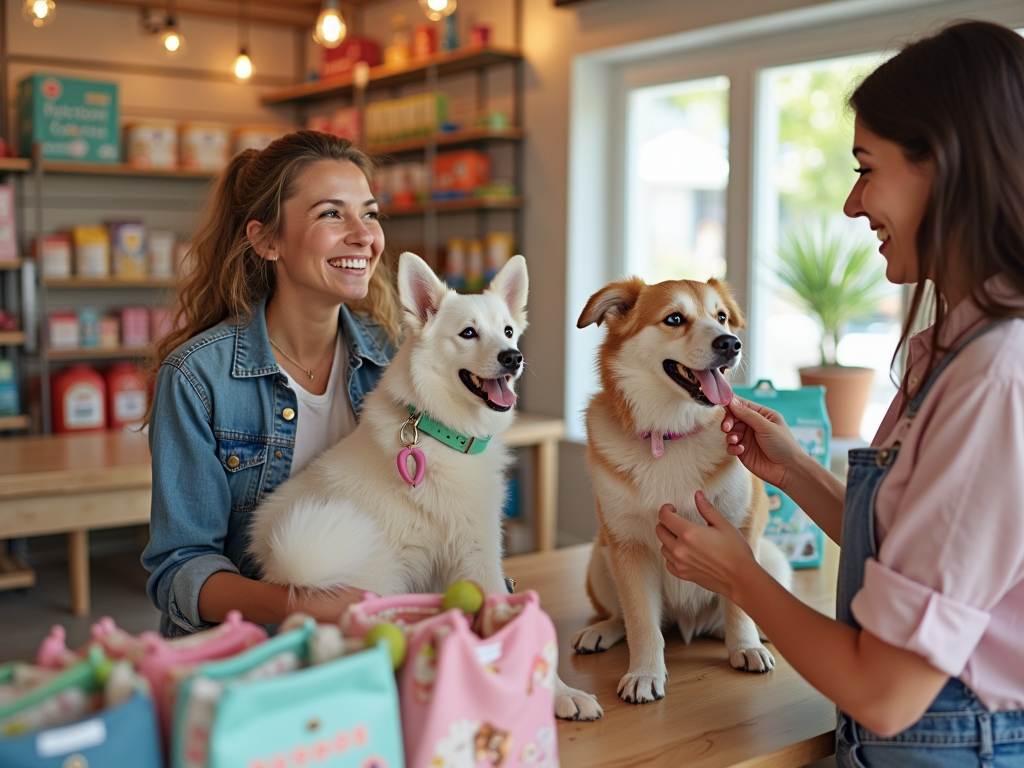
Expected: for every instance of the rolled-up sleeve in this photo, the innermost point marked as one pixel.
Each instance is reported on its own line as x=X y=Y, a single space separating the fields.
x=954 y=547
x=191 y=501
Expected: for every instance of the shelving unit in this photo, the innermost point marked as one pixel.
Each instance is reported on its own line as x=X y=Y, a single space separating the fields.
x=12 y=343
x=116 y=191
x=428 y=73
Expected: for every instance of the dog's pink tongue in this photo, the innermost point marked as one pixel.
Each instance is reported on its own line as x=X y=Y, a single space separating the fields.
x=715 y=387
x=499 y=393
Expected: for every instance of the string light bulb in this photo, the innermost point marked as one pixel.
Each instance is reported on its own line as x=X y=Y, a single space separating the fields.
x=436 y=10
x=330 y=27
x=243 y=68
x=39 y=13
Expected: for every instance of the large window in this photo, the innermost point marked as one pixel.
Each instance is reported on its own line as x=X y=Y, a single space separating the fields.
x=677 y=176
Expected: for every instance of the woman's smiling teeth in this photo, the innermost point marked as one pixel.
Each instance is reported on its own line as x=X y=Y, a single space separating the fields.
x=359 y=263
x=882 y=233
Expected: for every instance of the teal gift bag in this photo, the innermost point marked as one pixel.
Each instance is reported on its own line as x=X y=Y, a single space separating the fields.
x=272 y=705
x=803 y=409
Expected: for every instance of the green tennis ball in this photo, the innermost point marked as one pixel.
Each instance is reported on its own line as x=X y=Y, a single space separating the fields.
x=395 y=637
x=465 y=595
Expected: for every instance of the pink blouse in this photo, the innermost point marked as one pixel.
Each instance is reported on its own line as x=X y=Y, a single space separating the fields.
x=948 y=583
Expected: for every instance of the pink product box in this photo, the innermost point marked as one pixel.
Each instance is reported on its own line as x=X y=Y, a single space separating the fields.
x=159 y=322
x=135 y=326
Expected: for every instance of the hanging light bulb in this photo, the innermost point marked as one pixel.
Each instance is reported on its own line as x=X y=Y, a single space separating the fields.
x=39 y=13
x=172 y=39
x=436 y=10
x=330 y=27
x=243 y=68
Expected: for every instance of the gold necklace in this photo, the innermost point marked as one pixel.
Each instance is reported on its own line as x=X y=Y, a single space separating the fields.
x=308 y=371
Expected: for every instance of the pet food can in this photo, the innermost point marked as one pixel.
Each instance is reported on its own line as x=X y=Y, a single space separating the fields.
x=63 y=332
x=151 y=143
x=455 y=264
x=474 y=267
x=110 y=332
x=128 y=249
x=135 y=326
x=254 y=136
x=161 y=253
x=203 y=146
x=56 y=257
x=497 y=252
x=126 y=395
x=92 y=251
x=79 y=400
x=88 y=327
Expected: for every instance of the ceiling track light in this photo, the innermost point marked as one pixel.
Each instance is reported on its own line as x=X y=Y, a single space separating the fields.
x=171 y=39
x=330 y=27
x=39 y=13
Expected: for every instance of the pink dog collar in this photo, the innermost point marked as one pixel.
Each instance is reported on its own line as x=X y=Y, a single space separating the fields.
x=658 y=440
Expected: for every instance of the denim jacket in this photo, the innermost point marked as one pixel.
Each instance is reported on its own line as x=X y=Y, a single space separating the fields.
x=222 y=435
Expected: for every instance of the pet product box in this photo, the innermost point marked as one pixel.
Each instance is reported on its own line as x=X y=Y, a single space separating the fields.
x=458 y=174
x=341 y=60
x=789 y=527
x=71 y=119
x=128 y=249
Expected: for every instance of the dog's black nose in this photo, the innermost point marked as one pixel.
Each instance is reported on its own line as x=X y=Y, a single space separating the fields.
x=510 y=359
x=727 y=345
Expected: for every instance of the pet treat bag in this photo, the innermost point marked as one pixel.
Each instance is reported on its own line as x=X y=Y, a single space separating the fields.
x=803 y=409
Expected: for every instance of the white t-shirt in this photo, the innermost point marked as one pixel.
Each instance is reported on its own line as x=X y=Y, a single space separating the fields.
x=324 y=419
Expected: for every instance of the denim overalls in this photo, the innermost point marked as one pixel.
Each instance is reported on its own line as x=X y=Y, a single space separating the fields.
x=956 y=730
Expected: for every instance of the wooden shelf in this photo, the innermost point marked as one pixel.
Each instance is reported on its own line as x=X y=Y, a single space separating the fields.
x=455 y=138
x=11 y=338
x=19 y=421
x=14 y=572
x=97 y=353
x=456 y=206
x=15 y=165
x=109 y=282
x=122 y=169
x=389 y=75
x=14 y=263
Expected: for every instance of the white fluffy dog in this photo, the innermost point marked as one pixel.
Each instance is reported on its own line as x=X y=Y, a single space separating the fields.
x=354 y=517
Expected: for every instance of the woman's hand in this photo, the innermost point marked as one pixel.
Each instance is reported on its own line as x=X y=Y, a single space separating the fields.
x=762 y=441
x=324 y=605
x=715 y=556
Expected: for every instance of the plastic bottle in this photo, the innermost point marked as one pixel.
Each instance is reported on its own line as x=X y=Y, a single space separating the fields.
x=78 y=400
x=126 y=395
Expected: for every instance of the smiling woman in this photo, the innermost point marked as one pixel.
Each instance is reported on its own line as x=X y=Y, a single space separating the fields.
x=284 y=324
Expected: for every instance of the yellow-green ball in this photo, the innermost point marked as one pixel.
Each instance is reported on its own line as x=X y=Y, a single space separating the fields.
x=465 y=595
x=395 y=637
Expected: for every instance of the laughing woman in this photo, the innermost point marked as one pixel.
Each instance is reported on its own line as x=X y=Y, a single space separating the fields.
x=286 y=320
x=926 y=659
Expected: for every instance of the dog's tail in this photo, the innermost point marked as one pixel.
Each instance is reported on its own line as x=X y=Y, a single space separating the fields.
x=320 y=545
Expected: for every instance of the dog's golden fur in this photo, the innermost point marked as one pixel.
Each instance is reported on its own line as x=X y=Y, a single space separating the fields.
x=661 y=367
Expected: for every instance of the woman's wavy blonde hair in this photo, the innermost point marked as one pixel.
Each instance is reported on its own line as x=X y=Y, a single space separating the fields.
x=227 y=278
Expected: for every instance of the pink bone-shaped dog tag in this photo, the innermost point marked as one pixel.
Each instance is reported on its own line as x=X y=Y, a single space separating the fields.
x=421 y=465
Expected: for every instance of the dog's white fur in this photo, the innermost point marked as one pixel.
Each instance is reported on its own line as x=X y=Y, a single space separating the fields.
x=627 y=580
x=350 y=519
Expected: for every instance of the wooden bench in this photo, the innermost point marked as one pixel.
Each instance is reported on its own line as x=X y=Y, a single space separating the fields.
x=74 y=484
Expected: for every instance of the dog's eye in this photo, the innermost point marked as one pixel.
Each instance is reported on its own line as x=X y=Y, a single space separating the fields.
x=508 y=331
x=722 y=317
x=676 y=318
x=468 y=333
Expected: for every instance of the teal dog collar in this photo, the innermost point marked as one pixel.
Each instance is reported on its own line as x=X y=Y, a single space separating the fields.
x=451 y=438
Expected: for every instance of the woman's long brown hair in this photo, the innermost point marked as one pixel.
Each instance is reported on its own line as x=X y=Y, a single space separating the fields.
x=226 y=277
x=956 y=99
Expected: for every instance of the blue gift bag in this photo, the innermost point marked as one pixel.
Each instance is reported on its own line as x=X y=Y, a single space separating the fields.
x=803 y=409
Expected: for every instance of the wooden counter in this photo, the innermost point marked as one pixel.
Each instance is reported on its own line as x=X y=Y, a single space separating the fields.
x=712 y=716
x=77 y=483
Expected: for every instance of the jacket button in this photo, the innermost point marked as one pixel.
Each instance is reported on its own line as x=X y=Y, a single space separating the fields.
x=277 y=454
x=233 y=462
x=288 y=414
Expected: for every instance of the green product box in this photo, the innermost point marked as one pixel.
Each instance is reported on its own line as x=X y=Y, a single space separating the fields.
x=71 y=119
x=789 y=527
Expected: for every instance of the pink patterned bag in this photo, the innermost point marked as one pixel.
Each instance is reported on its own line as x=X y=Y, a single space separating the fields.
x=477 y=691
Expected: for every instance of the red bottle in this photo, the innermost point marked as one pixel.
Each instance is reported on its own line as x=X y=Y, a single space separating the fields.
x=126 y=395
x=78 y=399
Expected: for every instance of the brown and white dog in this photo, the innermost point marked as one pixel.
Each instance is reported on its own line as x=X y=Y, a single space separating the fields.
x=654 y=437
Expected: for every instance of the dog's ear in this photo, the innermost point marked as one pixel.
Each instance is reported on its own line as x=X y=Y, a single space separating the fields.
x=419 y=288
x=736 y=319
x=614 y=299
x=512 y=284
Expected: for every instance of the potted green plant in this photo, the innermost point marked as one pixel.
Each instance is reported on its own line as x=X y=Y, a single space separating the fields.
x=835 y=278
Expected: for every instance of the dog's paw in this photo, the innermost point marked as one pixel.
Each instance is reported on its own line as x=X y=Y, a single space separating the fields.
x=641 y=687
x=759 y=660
x=599 y=637
x=574 y=704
